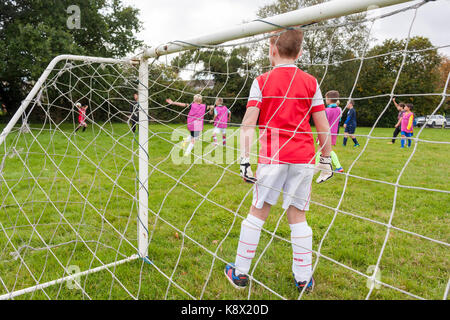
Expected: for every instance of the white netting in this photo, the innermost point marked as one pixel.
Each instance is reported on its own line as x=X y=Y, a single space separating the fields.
x=69 y=200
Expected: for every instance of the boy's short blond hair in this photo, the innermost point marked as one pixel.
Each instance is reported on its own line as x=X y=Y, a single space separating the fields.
x=198 y=98
x=288 y=43
x=219 y=101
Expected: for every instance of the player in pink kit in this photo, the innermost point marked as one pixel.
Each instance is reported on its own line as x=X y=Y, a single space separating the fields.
x=334 y=114
x=221 y=118
x=81 y=116
x=194 y=120
x=407 y=125
x=281 y=103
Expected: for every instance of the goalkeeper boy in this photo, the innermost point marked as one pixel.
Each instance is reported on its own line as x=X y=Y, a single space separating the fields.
x=281 y=102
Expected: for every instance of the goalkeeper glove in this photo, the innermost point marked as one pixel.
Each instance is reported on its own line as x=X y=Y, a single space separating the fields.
x=325 y=169
x=246 y=171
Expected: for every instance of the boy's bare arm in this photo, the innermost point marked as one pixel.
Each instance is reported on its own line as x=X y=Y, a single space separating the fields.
x=397 y=105
x=179 y=104
x=324 y=166
x=248 y=130
x=322 y=126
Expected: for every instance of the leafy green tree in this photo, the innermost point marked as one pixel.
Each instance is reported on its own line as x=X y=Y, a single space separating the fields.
x=331 y=48
x=444 y=71
x=33 y=32
x=327 y=43
x=231 y=70
x=332 y=52
x=419 y=76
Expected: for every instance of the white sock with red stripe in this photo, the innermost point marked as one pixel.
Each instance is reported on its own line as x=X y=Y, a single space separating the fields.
x=248 y=242
x=189 y=149
x=301 y=238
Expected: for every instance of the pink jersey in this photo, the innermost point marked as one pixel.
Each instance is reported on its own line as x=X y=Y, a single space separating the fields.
x=334 y=117
x=196 y=116
x=221 y=113
x=407 y=122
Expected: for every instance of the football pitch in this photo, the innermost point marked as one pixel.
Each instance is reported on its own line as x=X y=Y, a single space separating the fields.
x=70 y=201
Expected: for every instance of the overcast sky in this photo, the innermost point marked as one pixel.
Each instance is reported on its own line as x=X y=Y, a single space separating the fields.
x=168 y=20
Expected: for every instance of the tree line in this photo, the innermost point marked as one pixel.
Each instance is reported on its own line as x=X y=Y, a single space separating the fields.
x=337 y=52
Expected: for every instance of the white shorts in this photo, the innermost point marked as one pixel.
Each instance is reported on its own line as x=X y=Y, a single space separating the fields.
x=220 y=130
x=294 y=180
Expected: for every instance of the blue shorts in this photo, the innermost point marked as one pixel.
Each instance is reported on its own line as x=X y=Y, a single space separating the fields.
x=350 y=129
x=407 y=134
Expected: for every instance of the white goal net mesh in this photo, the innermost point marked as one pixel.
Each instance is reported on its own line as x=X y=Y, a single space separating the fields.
x=69 y=181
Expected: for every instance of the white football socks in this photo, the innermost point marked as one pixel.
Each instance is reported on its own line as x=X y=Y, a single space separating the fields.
x=248 y=242
x=189 y=149
x=301 y=238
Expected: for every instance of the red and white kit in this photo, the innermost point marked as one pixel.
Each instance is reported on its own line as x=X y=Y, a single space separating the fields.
x=286 y=97
x=82 y=117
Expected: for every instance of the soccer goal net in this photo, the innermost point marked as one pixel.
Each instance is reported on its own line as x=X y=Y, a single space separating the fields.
x=104 y=195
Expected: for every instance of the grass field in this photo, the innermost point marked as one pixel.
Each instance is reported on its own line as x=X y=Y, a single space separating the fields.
x=195 y=216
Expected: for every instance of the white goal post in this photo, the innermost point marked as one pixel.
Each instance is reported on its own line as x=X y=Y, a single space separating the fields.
x=304 y=16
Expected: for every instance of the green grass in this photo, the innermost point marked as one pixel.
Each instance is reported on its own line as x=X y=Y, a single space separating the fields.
x=44 y=198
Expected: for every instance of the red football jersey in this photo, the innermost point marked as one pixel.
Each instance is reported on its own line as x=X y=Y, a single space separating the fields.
x=82 y=115
x=286 y=97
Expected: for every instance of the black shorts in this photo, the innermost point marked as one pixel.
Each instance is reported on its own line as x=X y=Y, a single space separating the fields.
x=195 y=134
x=350 y=129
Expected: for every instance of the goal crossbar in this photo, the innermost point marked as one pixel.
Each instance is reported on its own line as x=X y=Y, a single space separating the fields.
x=303 y=16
